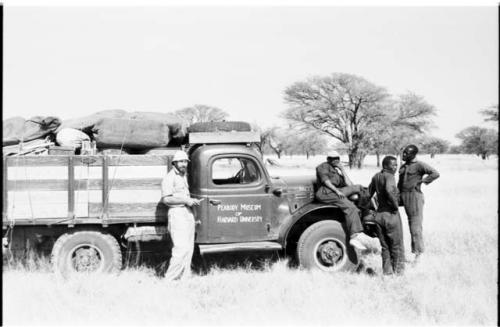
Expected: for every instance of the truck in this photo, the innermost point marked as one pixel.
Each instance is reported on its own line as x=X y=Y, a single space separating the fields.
x=87 y=211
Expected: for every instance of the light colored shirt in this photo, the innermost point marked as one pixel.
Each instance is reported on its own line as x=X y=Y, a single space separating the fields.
x=174 y=184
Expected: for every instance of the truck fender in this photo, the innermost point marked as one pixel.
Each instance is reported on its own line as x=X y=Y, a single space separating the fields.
x=313 y=212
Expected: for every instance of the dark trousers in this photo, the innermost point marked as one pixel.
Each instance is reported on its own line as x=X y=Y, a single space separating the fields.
x=414 y=208
x=351 y=213
x=390 y=234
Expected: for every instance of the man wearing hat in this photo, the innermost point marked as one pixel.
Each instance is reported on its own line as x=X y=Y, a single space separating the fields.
x=411 y=177
x=175 y=194
x=334 y=186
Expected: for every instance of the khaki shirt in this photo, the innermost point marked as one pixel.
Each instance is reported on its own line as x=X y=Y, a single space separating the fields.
x=326 y=171
x=174 y=184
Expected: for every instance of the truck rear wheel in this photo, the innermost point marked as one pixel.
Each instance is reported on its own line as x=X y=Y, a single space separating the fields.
x=323 y=246
x=86 y=252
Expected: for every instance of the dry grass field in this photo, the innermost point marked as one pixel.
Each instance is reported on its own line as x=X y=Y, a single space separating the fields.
x=454 y=284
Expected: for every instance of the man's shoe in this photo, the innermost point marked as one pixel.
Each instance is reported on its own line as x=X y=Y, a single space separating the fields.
x=356 y=242
x=362 y=242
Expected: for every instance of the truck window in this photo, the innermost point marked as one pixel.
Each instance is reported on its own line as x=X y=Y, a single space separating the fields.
x=234 y=170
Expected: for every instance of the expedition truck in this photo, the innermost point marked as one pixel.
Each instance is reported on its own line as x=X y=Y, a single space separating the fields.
x=87 y=210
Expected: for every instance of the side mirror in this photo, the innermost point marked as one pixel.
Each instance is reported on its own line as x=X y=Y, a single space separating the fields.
x=278 y=191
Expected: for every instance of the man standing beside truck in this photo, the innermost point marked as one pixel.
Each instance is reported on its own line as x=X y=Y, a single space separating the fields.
x=175 y=194
x=410 y=179
x=388 y=218
x=334 y=186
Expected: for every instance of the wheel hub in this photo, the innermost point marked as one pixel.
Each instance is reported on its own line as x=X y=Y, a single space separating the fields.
x=329 y=252
x=86 y=259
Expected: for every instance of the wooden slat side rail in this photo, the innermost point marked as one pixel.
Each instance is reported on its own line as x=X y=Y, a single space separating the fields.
x=152 y=209
x=122 y=160
x=71 y=188
x=37 y=161
x=4 y=190
x=105 y=188
x=81 y=184
x=139 y=160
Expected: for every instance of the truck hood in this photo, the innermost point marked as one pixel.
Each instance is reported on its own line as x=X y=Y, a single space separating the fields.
x=299 y=190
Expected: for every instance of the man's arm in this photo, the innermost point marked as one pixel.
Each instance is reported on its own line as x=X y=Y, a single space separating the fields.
x=392 y=192
x=335 y=190
x=169 y=198
x=371 y=187
x=175 y=200
x=347 y=180
x=323 y=179
x=432 y=174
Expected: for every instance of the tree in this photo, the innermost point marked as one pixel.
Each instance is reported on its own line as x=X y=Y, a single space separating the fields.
x=391 y=140
x=342 y=106
x=455 y=149
x=201 y=113
x=433 y=145
x=274 y=139
x=478 y=140
x=308 y=142
x=490 y=113
x=405 y=119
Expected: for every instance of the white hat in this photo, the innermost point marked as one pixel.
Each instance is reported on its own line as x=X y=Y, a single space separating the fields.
x=333 y=154
x=179 y=156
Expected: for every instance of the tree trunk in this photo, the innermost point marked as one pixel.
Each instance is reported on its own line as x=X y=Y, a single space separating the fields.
x=356 y=158
x=360 y=160
x=278 y=152
x=378 y=158
x=483 y=156
x=307 y=155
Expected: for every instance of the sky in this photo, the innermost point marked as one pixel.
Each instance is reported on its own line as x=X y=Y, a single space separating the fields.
x=73 y=61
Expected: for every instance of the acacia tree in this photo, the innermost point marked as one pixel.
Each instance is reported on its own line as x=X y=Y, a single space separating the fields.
x=433 y=145
x=309 y=142
x=201 y=113
x=274 y=139
x=343 y=106
x=478 y=140
x=405 y=120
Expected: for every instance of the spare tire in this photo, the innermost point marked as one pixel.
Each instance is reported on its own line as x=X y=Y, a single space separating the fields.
x=220 y=126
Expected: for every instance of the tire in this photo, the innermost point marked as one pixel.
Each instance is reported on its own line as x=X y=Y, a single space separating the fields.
x=86 y=251
x=323 y=246
x=220 y=126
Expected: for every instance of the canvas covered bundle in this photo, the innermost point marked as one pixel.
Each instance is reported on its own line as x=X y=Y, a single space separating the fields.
x=17 y=129
x=176 y=126
x=130 y=133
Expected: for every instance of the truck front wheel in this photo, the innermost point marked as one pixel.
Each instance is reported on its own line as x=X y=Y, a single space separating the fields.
x=86 y=251
x=323 y=246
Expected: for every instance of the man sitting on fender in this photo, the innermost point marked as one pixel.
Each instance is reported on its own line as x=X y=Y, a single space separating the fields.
x=334 y=188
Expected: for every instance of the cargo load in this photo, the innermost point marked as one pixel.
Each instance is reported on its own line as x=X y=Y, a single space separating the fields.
x=17 y=129
x=130 y=133
x=71 y=137
x=177 y=127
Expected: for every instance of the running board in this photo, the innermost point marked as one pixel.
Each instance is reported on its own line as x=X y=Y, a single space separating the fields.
x=248 y=246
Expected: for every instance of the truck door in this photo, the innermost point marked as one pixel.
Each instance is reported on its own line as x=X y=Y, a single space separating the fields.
x=238 y=202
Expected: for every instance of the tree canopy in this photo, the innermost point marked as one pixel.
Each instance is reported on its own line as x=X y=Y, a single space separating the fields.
x=360 y=114
x=478 y=140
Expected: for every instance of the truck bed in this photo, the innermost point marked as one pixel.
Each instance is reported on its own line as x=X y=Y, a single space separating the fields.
x=69 y=189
